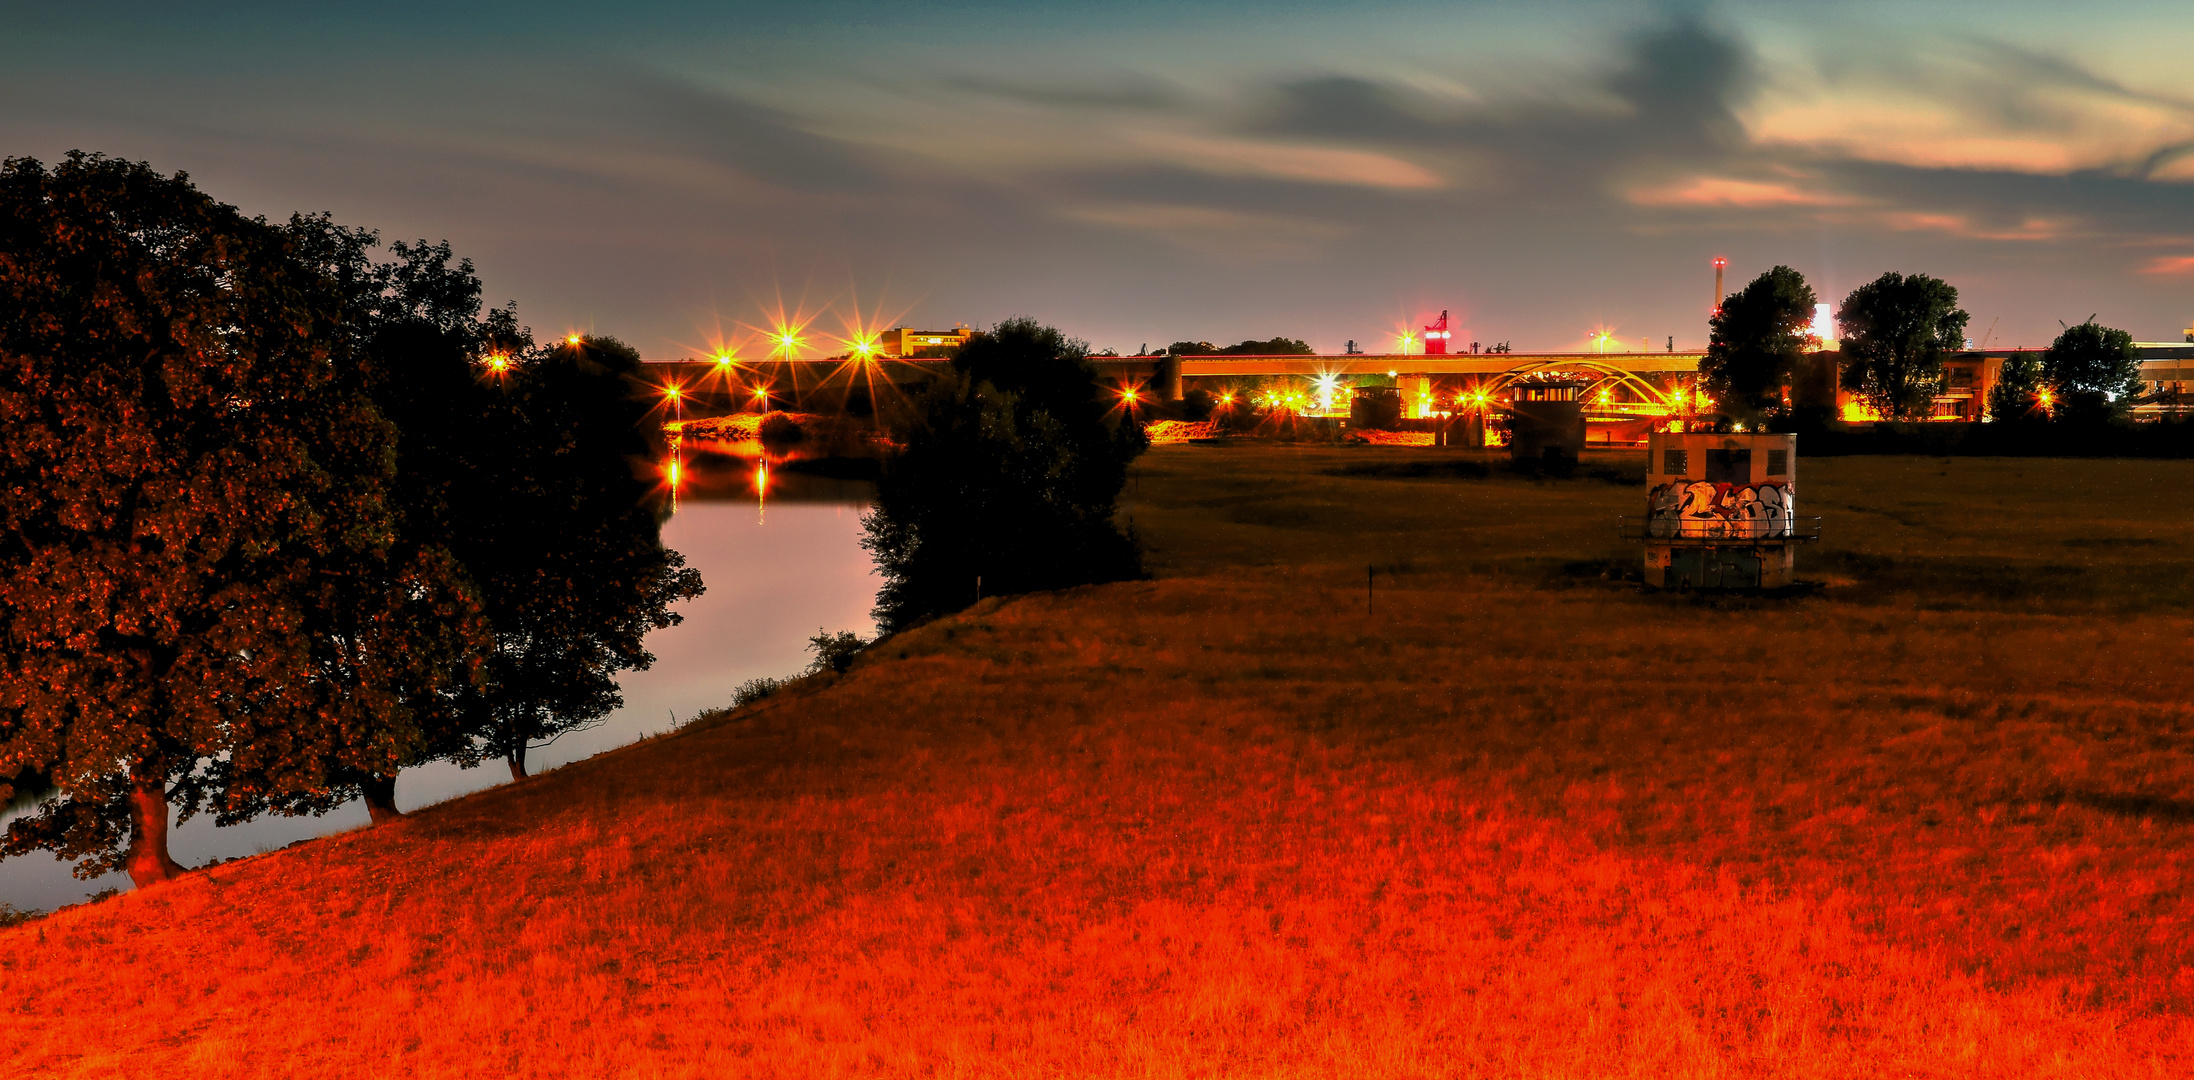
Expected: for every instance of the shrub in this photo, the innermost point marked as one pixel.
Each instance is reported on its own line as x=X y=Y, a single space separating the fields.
x=780 y=427
x=754 y=690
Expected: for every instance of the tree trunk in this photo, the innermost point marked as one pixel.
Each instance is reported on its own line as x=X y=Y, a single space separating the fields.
x=147 y=860
x=380 y=795
x=517 y=759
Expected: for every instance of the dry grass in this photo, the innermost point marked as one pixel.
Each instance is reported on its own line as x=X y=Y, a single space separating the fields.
x=1518 y=821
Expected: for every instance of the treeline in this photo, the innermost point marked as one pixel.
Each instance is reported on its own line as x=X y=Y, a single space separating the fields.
x=1279 y=346
x=283 y=519
x=1895 y=333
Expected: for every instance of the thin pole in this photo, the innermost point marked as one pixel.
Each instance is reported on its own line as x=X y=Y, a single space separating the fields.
x=1367 y=588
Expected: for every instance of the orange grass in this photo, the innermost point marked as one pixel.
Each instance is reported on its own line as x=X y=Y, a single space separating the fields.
x=1228 y=824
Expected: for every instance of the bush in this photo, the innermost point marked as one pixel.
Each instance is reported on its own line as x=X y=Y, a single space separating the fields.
x=834 y=652
x=754 y=690
x=781 y=428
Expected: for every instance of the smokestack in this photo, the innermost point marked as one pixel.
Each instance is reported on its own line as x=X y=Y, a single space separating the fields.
x=1719 y=262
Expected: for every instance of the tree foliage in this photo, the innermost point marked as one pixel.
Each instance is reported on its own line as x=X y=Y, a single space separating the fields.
x=521 y=461
x=1896 y=330
x=1011 y=472
x=1757 y=341
x=202 y=557
x=1279 y=346
x=2016 y=394
x=2095 y=371
x=566 y=550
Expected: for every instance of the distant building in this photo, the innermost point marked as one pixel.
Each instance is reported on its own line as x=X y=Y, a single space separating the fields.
x=906 y=341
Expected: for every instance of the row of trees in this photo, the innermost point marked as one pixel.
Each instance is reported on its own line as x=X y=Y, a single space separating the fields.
x=281 y=520
x=1279 y=346
x=1896 y=331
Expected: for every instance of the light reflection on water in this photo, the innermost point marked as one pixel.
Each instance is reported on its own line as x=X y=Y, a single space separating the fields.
x=773 y=580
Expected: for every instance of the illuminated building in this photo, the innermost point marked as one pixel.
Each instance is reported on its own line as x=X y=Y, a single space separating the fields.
x=906 y=341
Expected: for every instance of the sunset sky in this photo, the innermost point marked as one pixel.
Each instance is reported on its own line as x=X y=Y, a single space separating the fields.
x=1141 y=172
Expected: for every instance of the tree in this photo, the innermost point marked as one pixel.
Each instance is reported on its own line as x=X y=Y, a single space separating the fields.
x=1896 y=329
x=2016 y=394
x=1756 y=342
x=2095 y=371
x=1011 y=473
x=1279 y=346
x=521 y=462
x=567 y=552
x=200 y=557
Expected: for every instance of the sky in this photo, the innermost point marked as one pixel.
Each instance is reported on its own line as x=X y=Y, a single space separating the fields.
x=679 y=174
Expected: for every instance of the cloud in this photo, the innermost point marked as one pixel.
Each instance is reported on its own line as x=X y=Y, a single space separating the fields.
x=1298 y=162
x=2169 y=266
x=1969 y=105
x=1724 y=191
x=1136 y=94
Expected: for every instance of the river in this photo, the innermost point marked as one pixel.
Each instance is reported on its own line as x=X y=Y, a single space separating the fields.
x=776 y=573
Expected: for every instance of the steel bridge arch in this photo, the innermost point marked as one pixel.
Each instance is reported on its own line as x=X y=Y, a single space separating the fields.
x=1605 y=375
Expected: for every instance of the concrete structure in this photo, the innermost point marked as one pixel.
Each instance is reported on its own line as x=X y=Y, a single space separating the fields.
x=1721 y=511
x=1546 y=422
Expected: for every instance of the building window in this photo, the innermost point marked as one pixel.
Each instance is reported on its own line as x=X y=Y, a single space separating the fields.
x=1672 y=462
x=1778 y=463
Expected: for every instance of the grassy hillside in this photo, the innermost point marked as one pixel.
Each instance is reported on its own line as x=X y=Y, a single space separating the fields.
x=1518 y=819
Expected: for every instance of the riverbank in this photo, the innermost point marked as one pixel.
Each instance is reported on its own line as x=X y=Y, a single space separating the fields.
x=1505 y=814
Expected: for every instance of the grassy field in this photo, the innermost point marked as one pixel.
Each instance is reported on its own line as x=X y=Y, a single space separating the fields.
x=1515 y=819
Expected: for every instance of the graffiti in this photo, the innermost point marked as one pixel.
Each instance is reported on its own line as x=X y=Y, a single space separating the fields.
x=1706 y=510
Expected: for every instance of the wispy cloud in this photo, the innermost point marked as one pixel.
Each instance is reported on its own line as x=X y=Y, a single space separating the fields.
x=2169 y=266
x=1724 y=191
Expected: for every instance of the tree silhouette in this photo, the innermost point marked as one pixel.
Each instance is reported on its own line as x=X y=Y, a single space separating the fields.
x=1011 y=472
x=2095 y=371
x=1896 y=329
x=2016 y=394
x=1757 y=341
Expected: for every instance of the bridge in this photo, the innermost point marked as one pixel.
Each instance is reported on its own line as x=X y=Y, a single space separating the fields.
x=1652 y=380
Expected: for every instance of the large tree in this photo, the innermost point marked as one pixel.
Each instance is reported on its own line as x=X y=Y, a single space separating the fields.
x=200 y=556
x=1756 y=342
x=1010 y=474
x=2095 y=371
x=1896 y=330
x=535 y=467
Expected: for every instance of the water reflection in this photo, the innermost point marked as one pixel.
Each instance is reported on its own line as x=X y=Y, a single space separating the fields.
x=771 y=585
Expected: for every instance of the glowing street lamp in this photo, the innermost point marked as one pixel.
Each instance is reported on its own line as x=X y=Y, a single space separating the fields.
x=498 y=363
x=573 y=340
